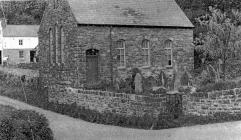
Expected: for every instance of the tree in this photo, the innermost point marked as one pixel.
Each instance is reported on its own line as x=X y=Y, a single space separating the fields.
x=223 y=38
x=23 y=12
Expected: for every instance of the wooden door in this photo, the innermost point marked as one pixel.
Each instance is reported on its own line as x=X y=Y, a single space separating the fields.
x=92 y=58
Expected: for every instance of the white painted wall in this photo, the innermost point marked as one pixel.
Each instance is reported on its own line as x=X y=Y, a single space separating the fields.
x=1 y=36
x=13 y=42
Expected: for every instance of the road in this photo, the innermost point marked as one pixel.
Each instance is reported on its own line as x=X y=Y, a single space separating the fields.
x=67 y=128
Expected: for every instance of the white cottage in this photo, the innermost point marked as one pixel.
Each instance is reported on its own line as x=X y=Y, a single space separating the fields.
x=18 y=43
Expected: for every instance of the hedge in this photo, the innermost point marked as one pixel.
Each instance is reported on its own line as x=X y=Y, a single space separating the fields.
x=25 y=125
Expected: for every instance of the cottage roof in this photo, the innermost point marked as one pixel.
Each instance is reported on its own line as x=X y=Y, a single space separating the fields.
x=21 y=31
x=129 y=12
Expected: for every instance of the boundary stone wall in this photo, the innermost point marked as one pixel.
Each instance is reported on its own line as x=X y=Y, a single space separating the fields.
x=208 y=103
x=104 y=101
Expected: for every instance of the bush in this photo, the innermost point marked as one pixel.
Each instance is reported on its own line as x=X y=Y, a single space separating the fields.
x=223 y=85
x=149 y=82
x=25 y=125
x=126 y=86
x=162 y=79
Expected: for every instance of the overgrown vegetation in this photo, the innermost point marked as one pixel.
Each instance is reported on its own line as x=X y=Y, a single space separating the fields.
x=23 y=12
x=23 y=125
x=127 y=85
x=222 y=85
x=198 y=8
x=5 y=111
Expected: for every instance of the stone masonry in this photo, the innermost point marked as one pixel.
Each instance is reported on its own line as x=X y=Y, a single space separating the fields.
x=64 y=79
x=104 y=101
x=79 y=38
x=228 y=101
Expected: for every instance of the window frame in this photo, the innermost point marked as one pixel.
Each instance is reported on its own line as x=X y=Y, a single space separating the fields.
x=121 y=43
x=20 y=42
x=51 y=45
x=56 y=43
x=145 y=46
x=169 y=51
x=21 y=54
x=61 y=43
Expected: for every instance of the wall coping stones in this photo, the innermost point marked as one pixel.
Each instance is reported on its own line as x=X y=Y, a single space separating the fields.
x=217 y=93
x=112 y=94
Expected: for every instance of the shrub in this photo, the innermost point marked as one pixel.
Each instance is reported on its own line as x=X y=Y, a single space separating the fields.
x=25 y=125
x=204 y=78
x=149 y=82
x=162 y=79
x=126 y=85
x=223 y=85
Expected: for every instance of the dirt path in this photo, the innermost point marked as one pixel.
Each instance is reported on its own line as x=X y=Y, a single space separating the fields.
x=67 y=128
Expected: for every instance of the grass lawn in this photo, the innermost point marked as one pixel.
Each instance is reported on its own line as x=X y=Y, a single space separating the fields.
x=12 y=92
x=5 y=111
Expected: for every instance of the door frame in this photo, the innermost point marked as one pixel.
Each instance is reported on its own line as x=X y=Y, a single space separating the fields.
x=97 y=55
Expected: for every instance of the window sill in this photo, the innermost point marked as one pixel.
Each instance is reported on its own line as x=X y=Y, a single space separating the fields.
x=146 y=67
x=121 y=68
x=169 y=66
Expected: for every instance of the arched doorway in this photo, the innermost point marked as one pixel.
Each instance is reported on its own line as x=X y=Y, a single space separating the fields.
x=92 y=60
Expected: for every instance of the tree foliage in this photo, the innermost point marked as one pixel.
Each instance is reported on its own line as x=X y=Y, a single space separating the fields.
x=197 y=8
x=23 y=12
x=223 y=37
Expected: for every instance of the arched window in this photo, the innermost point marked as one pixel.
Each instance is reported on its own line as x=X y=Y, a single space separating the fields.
x=146 y=52
x=61 y=44
x=169 y=53
x=121 y=53
x=56 y=44
x=50 y=46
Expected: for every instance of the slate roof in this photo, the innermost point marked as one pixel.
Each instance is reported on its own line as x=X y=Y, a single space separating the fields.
x=129 y=12
x=21 y=31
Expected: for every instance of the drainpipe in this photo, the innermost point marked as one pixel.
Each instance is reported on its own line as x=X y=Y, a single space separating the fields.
x=111 y=58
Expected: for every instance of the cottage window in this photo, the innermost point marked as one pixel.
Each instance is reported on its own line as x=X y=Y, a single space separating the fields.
x=50 y=45
x=20 y=42
x=121 y=53
x=56 y=44
x=169 y=53
x=21 y=54
x=146 y=52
